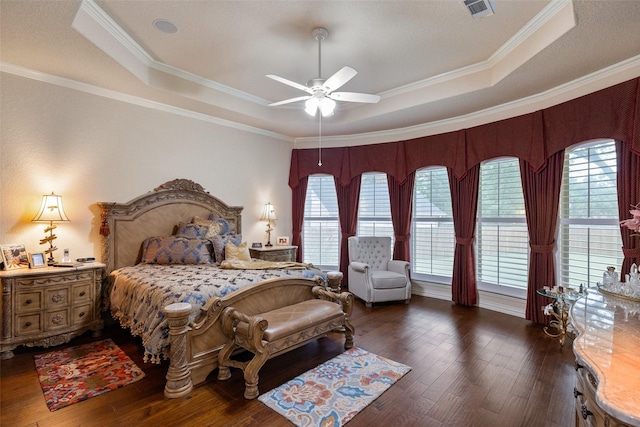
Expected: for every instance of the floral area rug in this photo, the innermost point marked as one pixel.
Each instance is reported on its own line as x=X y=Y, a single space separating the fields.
x=77 y=373
x=334 y=392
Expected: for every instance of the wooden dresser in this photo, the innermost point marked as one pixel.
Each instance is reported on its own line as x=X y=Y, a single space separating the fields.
x=607 y=350
x=275 y=253
x=49 y=306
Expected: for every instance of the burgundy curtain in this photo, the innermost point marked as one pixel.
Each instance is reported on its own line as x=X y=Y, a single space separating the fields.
x=541 y=192
x=348 y=199
x=401 y=200
x=628 y=195
x=464 y=202
x=299 y=195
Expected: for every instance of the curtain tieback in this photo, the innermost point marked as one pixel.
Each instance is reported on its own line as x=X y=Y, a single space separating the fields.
x=464 y=241
x=631 y=252
x=347 y=235
x=402 y=238
x=542 y=249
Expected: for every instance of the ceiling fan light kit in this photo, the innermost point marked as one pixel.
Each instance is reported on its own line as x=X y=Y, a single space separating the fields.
x=321 y=95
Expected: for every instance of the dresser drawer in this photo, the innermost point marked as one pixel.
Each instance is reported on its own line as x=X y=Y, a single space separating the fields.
x=28 y=324
x=56 y=319
x=55 y=298
x=62 y=278
x=81 y=293
x=82 y=314
x=28 y=301
x=281 y=254
x=277 y=256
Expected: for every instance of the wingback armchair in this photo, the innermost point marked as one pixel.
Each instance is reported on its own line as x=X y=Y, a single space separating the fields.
x=373 y=275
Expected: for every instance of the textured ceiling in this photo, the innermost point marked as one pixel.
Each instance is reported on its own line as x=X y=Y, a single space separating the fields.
x=433 y=64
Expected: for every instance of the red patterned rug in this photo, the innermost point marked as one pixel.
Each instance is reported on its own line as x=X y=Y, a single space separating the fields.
x=77 y=373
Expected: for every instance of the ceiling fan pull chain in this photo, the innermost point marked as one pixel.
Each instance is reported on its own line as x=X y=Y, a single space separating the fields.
x=319 y=139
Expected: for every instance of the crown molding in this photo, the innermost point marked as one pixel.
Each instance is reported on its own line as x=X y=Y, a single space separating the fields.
x=601 y=79
x=134 y=100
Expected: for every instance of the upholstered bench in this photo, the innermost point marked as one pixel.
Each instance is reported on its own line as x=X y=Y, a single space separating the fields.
x=275 y=332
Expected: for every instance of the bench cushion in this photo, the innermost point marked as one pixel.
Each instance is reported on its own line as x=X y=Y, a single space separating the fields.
x=291 y=319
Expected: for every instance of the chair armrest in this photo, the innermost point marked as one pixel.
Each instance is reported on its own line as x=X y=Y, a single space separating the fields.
x=360 y=267
x=399 y=266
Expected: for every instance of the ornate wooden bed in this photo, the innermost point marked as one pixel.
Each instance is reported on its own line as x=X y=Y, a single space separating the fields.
x=195 y=340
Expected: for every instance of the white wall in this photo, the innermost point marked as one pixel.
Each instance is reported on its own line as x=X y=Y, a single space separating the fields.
x=90 y=149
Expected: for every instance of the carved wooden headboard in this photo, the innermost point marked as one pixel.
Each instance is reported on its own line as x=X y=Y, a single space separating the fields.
x=124 y=226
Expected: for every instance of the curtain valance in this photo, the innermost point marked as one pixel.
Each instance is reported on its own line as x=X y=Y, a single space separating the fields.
x=613 y=112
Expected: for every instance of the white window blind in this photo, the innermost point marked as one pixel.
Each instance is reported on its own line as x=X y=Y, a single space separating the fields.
x=502 y=239
x=321 y=228
x=432 y=234
x=589 y=238
x=374 y=210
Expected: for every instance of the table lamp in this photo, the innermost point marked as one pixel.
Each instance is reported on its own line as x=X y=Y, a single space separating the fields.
x=268 y=215
x=51 y=210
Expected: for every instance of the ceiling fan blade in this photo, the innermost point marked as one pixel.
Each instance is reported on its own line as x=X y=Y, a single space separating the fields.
x=289 y=83
x=354 y=97
x=289 y=101
x=339 y=78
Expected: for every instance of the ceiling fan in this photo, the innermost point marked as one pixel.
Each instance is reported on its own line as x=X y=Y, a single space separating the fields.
x=321 y=92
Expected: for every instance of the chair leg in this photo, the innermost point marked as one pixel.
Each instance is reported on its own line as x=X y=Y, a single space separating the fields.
x=368 y=304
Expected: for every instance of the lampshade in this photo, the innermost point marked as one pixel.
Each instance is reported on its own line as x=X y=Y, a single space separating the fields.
x=268 y=213
x=51 y=209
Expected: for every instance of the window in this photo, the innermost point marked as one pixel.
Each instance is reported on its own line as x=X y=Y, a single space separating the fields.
x=502 y=238
x=589 y=237
x=432 y=235
x=321 y=228
x=374 y=210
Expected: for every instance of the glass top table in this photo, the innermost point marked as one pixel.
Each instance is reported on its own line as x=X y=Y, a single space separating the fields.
x=563 y=298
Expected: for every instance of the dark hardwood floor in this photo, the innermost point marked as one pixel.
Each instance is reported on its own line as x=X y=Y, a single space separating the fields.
x=470 y=367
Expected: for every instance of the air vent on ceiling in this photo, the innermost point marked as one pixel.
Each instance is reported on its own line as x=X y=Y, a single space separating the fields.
x=480 y=8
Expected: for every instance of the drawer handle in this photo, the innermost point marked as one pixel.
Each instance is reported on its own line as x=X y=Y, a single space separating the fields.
x=28 y=324
x=57 y=297
x=81 y=314
x=576 y=393
x=578 y=366
x=83 y=293
x=57 y=319
x=585 y=412
x=29 y=301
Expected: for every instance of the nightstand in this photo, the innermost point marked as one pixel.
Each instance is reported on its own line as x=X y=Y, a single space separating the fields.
x=49 y=306
x=275 y=253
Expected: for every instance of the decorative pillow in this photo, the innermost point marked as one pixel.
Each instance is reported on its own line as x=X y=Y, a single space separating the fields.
x=220 y=241
x=176 y=250
x=214 y=227
x=241 y=252
x=192 y=231
x=226 y=227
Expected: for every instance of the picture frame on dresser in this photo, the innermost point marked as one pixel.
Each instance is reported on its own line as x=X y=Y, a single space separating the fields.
x=282 y=241
x=14 y=256
x=37 y=260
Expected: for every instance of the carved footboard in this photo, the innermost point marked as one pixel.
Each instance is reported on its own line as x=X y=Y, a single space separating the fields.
x=195 y=346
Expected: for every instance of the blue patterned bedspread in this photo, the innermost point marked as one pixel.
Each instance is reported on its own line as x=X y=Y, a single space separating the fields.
x=136 y=295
